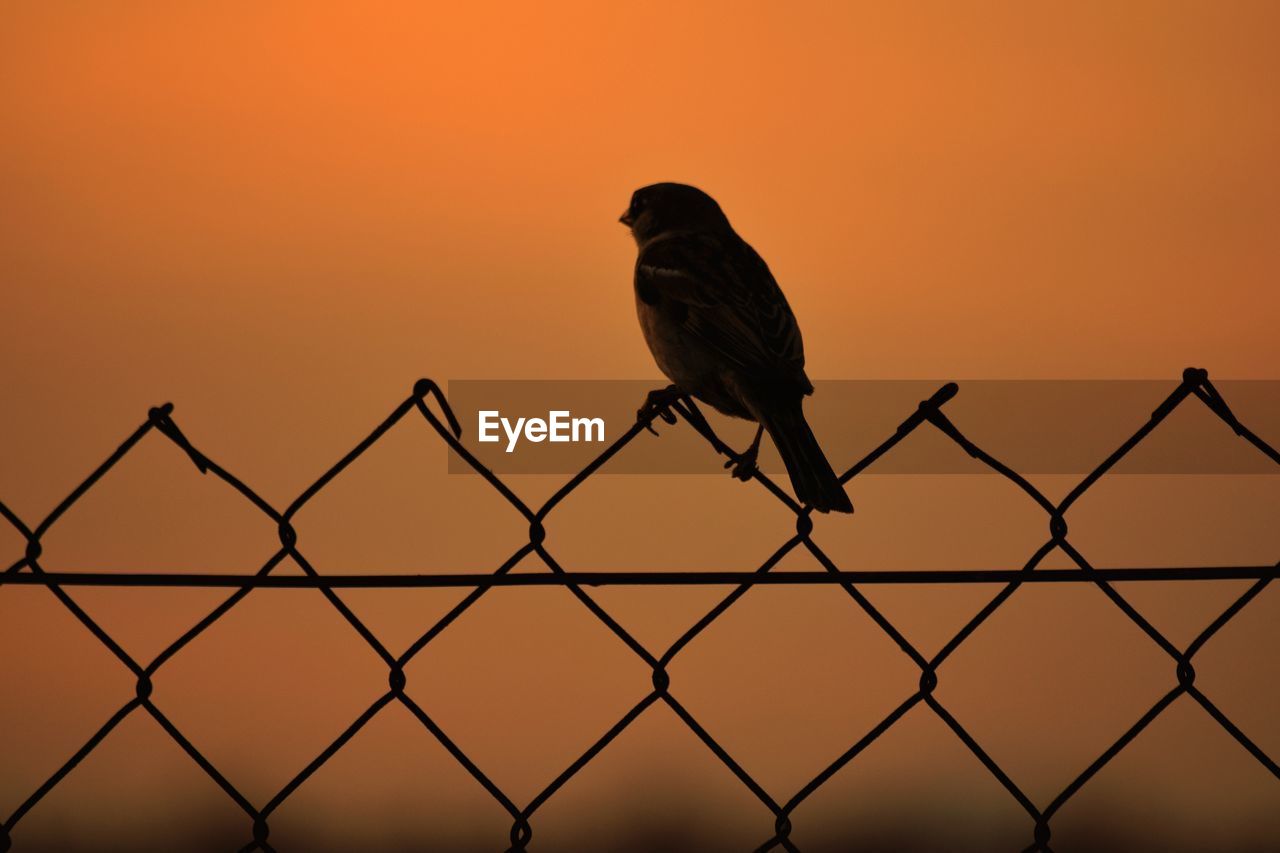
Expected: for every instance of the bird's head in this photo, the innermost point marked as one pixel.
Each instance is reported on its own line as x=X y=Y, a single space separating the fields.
x=659 y=208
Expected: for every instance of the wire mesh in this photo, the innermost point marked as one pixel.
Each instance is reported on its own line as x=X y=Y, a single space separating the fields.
x=1195 y=384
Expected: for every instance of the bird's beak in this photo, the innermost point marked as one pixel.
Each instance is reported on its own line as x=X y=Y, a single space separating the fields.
x=626 y=218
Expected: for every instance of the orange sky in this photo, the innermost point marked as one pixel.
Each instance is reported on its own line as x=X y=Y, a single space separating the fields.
x=269 y=209
x=279 y=215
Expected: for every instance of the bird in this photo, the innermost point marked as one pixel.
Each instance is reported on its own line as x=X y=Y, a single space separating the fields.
x=721 y=330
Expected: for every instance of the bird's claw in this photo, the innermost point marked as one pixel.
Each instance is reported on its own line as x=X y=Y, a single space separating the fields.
x=657 y=405
x=743 y=465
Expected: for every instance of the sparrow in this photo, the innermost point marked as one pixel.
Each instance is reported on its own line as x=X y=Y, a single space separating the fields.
x=721 y=330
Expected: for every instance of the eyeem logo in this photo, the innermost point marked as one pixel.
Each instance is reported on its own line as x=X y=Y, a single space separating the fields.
x=559 y=426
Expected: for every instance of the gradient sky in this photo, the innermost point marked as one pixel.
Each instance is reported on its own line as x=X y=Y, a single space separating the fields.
x=280 y=215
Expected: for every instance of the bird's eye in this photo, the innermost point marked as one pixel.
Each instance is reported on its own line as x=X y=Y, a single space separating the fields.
x=637 y=204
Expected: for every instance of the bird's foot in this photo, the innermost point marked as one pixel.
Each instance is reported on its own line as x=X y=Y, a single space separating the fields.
x=658 y=405
x=744 y=464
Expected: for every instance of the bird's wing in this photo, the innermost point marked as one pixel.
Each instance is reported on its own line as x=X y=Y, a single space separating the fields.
x=730 y=299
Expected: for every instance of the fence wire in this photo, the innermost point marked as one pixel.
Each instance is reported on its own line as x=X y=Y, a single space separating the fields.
x=1195 y=384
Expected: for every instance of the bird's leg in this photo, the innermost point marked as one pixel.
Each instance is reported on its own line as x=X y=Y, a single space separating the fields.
x=657 y=404
x=744 y=466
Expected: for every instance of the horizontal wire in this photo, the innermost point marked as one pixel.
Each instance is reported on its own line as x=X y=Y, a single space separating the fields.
x=631 y=578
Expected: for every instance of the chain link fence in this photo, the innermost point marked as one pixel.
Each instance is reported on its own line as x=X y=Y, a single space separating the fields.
x=1195 y=385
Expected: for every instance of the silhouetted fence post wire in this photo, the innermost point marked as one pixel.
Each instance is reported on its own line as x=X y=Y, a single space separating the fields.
x=1195 y=384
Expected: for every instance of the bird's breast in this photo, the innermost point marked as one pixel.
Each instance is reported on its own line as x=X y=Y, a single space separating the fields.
x=684 y=357
x=664 y=332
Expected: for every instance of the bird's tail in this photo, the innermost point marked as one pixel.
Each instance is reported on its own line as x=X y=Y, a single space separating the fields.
x=811 y=475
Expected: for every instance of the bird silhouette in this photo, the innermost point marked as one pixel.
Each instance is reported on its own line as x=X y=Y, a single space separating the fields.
x=721 y=330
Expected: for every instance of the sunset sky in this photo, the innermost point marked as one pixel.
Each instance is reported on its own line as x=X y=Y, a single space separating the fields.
x=278 y=216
